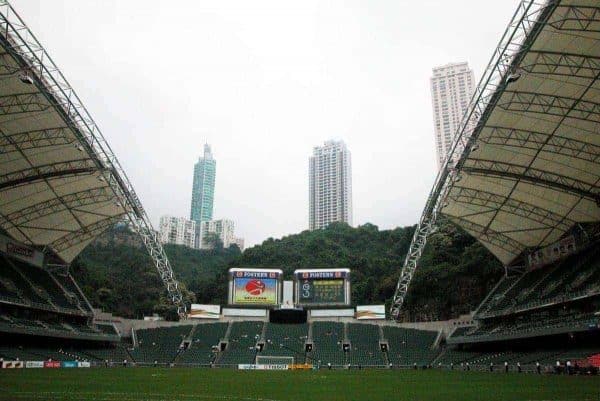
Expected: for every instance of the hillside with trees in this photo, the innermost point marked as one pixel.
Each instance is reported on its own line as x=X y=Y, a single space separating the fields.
x=117 y=275
x=454 y=275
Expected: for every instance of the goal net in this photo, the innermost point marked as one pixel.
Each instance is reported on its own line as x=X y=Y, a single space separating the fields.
x=274 y=360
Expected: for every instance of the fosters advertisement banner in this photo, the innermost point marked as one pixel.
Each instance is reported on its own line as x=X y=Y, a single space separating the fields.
x=365 y=312
x=199 y=311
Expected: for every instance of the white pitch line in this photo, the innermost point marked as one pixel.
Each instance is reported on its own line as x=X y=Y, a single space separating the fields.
x=109 y=396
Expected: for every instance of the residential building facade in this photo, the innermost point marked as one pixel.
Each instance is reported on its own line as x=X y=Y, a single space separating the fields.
x=330 y=185
x=239 y=242
x=224 y=229
x=177 y=230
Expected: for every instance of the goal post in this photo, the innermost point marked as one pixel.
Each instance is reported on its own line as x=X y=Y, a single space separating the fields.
x=274 y=360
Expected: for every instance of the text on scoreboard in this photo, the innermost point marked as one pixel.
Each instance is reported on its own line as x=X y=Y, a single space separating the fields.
x=322 y=287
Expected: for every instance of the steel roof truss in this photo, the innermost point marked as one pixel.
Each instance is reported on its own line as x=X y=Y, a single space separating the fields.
x=489 y=235
x=55 y=205
x=7 y=65
x=577 y=18
x=38 y=138
x=557 y=144
x=550 y=105
x=562 y=64
x=535 y=176
x=53 y=170
x=22 y=103
x=493 y=201
x=84 y=234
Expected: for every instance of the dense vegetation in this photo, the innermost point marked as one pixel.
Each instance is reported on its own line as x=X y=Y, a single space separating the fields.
x=455 y=272
x=454 y=275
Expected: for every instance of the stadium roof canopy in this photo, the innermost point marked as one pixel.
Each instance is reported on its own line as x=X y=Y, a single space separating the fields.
x=60 y=184
x=532 y=168
x=525 y=164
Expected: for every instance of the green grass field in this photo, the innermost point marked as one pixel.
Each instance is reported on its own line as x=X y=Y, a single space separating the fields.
x=189 y=384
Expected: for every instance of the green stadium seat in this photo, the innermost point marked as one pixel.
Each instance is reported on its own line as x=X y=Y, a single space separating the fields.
x=365 y=349
x=409 y=346
x=328 y=338
x=286 y=340
x=160 y=344
x=205 y=337
x=241 y=346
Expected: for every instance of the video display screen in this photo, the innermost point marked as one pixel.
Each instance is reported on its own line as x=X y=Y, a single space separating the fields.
x=255 y=288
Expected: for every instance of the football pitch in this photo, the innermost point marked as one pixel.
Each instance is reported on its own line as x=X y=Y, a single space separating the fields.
x=189 y=384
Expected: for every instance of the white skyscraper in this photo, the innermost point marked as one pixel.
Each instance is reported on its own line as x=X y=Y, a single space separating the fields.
x=177 y=230
x=452 y=86
x=330 y=185
x=239 y=242
x=224 y=229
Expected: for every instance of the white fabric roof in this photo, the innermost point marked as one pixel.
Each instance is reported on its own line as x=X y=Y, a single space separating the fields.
x=534 y=170
x=53 y=186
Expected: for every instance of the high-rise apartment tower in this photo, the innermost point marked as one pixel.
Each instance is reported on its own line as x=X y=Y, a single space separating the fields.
x=452 y=86
x=330 y=185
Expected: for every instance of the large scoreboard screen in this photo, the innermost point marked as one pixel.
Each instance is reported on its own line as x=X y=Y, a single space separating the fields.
x=322 y=287
x=322 y=291
x=254 y=286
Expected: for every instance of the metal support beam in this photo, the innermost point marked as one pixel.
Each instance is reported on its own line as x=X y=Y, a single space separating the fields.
x=550 y=105
x=535 y=140
x=61 y=169
x=535 y=176
x=419 y=240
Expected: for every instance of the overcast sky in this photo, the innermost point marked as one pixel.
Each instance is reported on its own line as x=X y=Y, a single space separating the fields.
x=263 y=82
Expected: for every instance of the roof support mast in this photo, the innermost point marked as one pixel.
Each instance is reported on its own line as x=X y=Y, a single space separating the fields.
x=38 y=67
x=530 y=16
